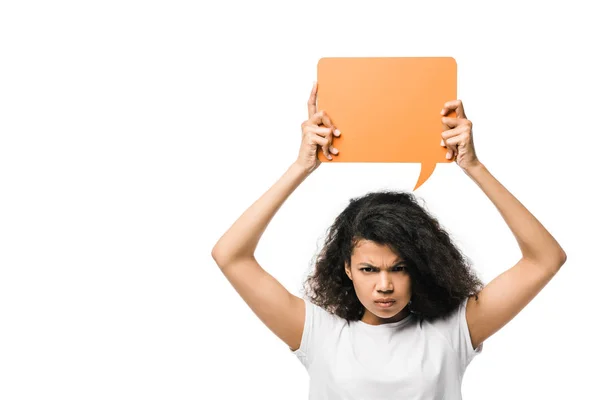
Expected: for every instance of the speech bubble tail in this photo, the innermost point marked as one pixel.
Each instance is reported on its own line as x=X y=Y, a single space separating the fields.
x=426 y=171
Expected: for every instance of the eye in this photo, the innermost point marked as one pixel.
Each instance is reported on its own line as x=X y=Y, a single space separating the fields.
x=396 y=268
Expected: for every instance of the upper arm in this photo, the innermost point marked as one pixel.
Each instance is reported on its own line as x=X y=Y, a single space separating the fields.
x=505 y=296
x=282 y=312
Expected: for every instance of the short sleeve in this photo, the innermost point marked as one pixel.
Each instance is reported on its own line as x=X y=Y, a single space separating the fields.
x=319 y=326
x=456 y=330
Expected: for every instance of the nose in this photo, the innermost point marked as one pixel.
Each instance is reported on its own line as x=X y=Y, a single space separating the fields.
x=384 y=284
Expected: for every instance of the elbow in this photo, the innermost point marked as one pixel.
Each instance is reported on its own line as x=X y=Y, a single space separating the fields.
x=552 y=262
x=560 y=261
x=223 y=258
x=217 y=256
x=556 y=262
x=562 y=257
x=213 y=253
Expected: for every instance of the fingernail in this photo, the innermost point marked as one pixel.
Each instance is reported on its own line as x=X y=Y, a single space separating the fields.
x=442 y=142
x=448 y=156
x=442 y=112
x=337 y=132
x=335 y=151
x=329 y=156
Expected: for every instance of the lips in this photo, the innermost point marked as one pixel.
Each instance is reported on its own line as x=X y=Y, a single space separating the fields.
x=385 y=300
x=383 y=304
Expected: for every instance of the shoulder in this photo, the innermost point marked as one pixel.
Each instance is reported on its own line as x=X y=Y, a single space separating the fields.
x=454 y=329
x=320 y=326
x=321 y=316
x=319 y=322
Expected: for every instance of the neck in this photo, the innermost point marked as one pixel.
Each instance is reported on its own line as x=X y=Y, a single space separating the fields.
x=372 y=319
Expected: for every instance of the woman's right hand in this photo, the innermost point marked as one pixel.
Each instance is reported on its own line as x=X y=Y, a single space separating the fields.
x=317 y=133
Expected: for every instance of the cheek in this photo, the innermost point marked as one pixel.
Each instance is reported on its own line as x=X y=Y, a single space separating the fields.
x=357 y=286
x=361 y=288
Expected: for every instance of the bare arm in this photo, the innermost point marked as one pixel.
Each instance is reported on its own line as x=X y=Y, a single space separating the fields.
x=507 y=294
x=535 y=242
x=282 y=312
x=241 y=239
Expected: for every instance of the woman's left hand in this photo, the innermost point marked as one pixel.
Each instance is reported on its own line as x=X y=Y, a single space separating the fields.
x=459 y=136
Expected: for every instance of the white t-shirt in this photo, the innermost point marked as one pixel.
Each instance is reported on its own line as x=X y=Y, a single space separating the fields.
x=409 y=359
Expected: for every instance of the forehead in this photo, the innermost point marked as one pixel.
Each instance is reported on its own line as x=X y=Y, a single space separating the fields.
x=366 y=250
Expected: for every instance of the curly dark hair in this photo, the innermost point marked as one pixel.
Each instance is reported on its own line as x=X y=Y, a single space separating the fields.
x=441 y=276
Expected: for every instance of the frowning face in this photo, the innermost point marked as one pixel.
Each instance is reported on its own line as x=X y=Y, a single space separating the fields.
x=377 y=274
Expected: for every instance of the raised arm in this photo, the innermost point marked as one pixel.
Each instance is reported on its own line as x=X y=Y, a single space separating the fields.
x=507 y=294
x=282 y=312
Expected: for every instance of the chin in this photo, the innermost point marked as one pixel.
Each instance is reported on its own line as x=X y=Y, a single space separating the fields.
x=390 y=313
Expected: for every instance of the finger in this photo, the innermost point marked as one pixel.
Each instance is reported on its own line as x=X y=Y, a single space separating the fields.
x=323 y=143
x=319 y=130
x=321 y=118
x=450 y=153
x=451 y=149
x=312 y=101
x=452 y=132
x=454 y=105
x=451 y=138
x=453 y=143
x=452 y=122
x=447 y=135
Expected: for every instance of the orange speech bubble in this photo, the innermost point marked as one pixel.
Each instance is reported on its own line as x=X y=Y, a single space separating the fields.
x=388 y=109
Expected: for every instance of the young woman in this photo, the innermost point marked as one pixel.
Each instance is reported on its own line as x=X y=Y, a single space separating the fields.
x=395 y=312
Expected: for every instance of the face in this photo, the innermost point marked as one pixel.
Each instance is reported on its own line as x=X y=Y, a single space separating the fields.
x=376 y=273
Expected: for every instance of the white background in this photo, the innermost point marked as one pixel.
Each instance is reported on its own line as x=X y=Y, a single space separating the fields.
x=134 y=133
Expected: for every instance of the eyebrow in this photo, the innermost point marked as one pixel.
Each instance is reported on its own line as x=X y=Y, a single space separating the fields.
x=374 y=266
